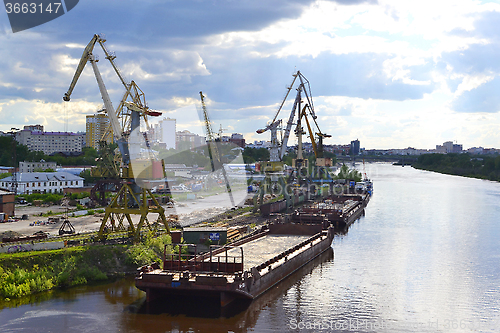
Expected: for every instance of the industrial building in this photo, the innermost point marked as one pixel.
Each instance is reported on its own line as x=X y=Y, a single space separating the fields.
x=7 y=202
x=237 y=139
x=36 y=166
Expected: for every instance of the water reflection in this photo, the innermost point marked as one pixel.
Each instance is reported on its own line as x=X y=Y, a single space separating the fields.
x=119 y=306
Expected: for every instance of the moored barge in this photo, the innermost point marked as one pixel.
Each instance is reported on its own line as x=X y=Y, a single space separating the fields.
x=339 y=211
x=244 y=270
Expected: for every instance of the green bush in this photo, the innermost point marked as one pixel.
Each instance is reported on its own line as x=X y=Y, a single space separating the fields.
x=25 y=273
x=149 y=250
x=140 y=255
x=45 y=197
x=72 y=271
x=76 y=196
x=20 y=282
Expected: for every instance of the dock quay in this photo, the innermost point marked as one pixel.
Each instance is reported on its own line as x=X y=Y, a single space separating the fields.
x=244 y=270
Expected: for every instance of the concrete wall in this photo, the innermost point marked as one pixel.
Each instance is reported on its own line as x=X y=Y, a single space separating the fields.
x=12 y=248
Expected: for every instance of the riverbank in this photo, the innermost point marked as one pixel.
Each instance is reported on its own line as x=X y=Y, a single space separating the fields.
x=465 y=165
x=27 y=273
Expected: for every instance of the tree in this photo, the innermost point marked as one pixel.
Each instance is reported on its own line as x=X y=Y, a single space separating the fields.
x=87 y=178
x=348 y=174
x=251 y=155
x=7 y=146
x=287 y=159
x=44 y=170
x=186 y=157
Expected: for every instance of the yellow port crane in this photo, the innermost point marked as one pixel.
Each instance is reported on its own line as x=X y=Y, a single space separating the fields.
x=135 y=171
x=317 y=147
x=302 y=110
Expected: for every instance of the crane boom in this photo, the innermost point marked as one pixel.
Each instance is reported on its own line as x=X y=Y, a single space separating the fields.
x=87 y=52
x=289 y=124
x=305 y=88
x=272 y=123
x=113 y=118
x=308 y=96
x=117 y=131
x=302 y=88
x=311 y=135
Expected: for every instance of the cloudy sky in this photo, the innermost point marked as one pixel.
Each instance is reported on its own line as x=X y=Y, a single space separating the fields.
x=392 y=73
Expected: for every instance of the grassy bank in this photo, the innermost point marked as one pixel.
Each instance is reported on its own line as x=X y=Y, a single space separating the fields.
x=26 y=273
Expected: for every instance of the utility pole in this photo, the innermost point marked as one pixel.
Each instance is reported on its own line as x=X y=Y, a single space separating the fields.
x=12 y=133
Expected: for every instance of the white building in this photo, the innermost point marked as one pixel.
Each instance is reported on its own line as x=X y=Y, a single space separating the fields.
x=408 y=151
x=475 y=150
x=187 y=140
x=449 y=147
x=36 y=166
x=42 y=182
x=50 y=142
x=260 y=144
x=167 y=132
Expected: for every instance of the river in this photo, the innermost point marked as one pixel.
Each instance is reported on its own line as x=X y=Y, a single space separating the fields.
x=424 y=258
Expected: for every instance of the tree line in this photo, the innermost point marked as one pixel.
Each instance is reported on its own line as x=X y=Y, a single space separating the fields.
x=475 y=166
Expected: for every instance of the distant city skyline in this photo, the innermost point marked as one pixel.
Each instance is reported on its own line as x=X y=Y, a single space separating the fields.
x=159 y=131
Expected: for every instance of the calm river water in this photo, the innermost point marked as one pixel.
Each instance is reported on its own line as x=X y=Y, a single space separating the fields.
x=424 y=258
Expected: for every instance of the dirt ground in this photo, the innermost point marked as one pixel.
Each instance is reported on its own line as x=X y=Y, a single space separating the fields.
x=81 y=223
x=190 y=213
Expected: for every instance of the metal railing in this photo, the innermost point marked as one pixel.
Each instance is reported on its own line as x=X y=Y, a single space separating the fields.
x=216 y=261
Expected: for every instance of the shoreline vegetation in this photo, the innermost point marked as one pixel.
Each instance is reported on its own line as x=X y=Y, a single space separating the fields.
x=466 y=165
x=28 y=273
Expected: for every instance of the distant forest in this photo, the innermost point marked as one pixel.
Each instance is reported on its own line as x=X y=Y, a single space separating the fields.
x=475 y=166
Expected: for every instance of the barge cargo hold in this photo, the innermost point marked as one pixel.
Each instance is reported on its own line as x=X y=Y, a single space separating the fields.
x=338 y=211
x=244 y=270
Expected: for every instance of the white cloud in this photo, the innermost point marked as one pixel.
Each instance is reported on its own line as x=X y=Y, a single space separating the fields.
x=359 y=58
x=470 y=82
x=54 y=116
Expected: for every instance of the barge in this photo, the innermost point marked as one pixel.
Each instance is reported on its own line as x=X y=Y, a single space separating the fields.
x=339 y=211
x=243 y=271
